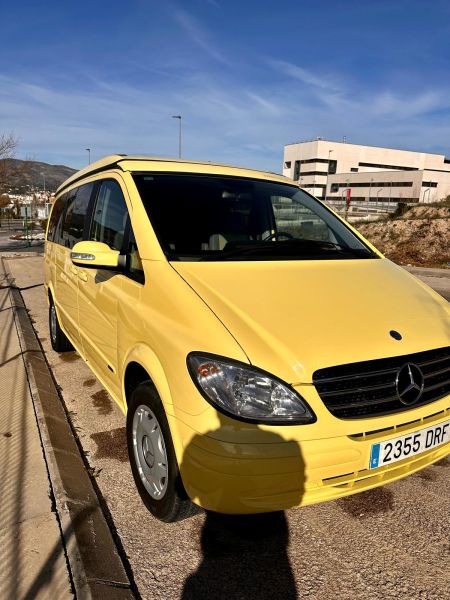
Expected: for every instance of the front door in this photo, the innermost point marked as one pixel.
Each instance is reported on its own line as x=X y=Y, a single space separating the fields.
x=99 y=290
x=67 y=233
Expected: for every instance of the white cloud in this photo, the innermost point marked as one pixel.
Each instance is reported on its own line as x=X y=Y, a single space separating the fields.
x=389 y=104
x=303 y=75
x=224 y=119
x=198 y=35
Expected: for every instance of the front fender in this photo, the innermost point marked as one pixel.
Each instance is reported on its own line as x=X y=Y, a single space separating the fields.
x=147 y=359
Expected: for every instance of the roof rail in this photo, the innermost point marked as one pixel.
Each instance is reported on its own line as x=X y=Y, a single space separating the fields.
x=110 y=161
x=95 y=167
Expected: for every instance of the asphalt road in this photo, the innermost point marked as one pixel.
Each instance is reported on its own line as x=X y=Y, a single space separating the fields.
x=390 y=543
x=9 y=245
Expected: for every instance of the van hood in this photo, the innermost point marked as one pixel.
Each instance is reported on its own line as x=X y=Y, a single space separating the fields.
x=293 y=317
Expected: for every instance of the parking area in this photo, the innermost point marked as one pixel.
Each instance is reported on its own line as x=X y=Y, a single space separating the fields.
x=391 y=542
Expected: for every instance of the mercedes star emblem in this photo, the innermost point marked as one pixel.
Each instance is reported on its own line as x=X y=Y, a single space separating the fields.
x=409 y=384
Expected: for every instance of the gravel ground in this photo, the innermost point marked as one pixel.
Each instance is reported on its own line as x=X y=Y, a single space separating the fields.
x=413 y=241
x=390 y=543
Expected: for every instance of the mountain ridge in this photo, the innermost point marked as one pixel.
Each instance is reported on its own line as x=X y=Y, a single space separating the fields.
x=22 y=176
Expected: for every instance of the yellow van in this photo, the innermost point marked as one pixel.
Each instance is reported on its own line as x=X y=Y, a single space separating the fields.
x=266 y=355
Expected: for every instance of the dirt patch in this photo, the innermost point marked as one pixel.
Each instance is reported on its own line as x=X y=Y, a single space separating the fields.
x=69 y=357
x=89 y=382
x=111 y=444
x=102 y=402
x=420 y=237
x=366 y=504
x=426 y=475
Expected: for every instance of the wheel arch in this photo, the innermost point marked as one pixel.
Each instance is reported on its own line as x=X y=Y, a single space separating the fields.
x=142 y=365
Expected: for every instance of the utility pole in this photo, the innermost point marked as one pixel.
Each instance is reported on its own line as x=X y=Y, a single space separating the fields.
x=328 y=172
x=179 y=133
x=88 y=150
x=43 y=177
x=370 y=192
x=378 y=191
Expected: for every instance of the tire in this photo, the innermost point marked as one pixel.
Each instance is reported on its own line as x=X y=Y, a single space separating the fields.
x=60 y=342
x=152 y=457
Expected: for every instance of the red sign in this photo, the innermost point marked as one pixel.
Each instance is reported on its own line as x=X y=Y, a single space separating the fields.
x=349 y=197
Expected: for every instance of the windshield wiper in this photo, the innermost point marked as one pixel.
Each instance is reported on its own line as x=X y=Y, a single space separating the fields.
x=277 y=249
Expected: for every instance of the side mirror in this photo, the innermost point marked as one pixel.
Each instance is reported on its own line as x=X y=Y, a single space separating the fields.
x=95 y=255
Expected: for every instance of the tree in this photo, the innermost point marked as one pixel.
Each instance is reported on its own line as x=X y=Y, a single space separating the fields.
x=8 y=145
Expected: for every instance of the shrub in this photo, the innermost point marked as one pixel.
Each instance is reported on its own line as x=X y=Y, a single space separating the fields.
x=402 y=207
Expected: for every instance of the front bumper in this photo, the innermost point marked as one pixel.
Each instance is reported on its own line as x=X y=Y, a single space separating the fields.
x=278 y=474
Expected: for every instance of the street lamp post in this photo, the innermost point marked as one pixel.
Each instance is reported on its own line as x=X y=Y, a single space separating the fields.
x=378 y=191
x=370 y=195
x=179 y=133
x=424 y=192
x=88 y=150
x=370 y=189
x=328 y=172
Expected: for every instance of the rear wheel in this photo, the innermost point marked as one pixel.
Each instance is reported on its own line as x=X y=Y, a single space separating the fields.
x=152 y=457
x=60 y=342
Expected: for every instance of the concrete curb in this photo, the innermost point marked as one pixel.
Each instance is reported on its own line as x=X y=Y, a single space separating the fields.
x=94 y=562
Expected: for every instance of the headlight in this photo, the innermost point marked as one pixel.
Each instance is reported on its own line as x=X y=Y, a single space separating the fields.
x=247 y=393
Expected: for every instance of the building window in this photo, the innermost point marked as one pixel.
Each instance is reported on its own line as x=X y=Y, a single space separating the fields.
x=332 y=166
x=287 y=164
x=429 y=184
x=314 y=160
x=364 y=164
x=296 y=170
x=374 y=184
x=354 y=170
x=305 y=173
x=334 y=188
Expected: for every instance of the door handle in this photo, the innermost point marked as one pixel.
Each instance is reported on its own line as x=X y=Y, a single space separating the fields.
x=82 y=275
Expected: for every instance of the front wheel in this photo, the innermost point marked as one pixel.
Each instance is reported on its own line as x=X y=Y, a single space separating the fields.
x=60 y=342
x=152 y=457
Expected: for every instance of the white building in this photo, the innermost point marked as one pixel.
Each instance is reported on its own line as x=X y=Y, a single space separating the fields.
x=328 y=169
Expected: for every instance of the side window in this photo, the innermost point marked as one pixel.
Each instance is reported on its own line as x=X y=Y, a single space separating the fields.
x=57 y=211
x=70 y=201
x=110 y=216
x=76 y=215
x=135 y=269
x=57 y=236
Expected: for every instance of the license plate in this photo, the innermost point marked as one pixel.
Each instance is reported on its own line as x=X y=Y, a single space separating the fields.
x=401 y=447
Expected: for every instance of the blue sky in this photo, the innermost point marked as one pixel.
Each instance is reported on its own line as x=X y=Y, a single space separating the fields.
x=247 y=77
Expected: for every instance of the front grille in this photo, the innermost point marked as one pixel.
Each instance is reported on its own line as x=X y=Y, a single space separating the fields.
x=367 y=389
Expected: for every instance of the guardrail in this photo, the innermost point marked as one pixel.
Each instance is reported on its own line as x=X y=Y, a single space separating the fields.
x=11 y=224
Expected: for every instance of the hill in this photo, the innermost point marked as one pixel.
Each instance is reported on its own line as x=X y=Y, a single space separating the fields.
x=20 y=176
x=419 y=237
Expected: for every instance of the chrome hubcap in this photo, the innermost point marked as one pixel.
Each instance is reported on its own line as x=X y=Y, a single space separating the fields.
x=53 y=323
x=150 y=452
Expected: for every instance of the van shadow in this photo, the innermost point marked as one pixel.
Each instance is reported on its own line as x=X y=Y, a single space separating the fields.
x=246 y=556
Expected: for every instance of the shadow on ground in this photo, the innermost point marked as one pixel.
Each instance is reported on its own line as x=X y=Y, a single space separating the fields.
x=245 y=556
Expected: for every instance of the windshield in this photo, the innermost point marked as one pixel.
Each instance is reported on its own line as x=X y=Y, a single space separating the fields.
x=216 y=218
